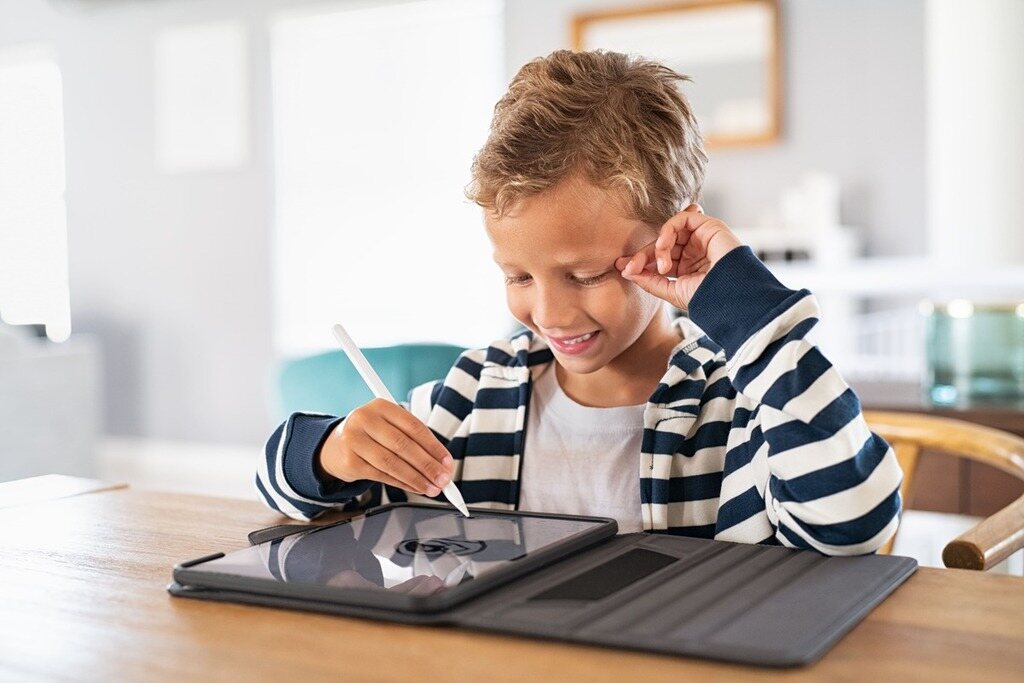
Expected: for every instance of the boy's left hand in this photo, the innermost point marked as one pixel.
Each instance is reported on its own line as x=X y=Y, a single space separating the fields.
x=673 y=266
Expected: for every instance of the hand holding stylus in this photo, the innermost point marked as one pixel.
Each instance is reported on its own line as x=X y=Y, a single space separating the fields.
x=381 y=441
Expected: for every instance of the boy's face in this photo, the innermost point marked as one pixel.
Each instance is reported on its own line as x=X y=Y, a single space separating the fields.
x=557 y=251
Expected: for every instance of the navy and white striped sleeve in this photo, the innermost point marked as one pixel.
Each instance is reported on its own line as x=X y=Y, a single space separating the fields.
x=832 y=484
x=289 y=478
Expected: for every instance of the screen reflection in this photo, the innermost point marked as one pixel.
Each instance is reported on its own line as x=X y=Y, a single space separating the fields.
x=407 y=550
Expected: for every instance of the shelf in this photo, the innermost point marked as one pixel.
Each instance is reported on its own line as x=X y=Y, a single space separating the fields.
x=910 y=276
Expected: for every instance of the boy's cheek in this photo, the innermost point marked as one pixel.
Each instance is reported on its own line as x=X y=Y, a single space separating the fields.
x=519 y=309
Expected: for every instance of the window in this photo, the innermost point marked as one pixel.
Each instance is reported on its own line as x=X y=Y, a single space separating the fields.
x=33 y=217
x=377 y=114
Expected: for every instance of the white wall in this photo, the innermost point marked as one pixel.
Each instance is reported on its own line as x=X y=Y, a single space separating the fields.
x=172 y=271
x=976 y=143
x=853 y=106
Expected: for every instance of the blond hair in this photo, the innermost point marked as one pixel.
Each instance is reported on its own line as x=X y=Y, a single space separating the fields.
x=620 y=120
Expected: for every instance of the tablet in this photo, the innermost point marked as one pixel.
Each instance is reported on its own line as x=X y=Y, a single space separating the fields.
x=410 y=557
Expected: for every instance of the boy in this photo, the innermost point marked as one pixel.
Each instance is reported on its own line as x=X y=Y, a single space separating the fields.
x=726 y=425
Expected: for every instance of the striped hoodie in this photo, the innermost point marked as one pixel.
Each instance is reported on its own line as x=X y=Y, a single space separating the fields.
x=751 y=436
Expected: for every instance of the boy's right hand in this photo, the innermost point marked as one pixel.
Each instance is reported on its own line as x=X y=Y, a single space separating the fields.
x=384 y=442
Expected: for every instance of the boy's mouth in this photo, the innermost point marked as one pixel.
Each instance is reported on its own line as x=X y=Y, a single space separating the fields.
x=574 y=345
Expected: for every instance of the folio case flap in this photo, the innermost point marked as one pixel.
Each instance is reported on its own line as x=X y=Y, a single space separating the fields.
x=752 y=604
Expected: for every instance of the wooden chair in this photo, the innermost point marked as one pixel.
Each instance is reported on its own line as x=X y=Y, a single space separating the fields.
x=993 y=539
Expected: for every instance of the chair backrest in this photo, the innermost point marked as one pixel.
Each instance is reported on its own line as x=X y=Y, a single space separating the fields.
x=329 y=383
x=996 y=537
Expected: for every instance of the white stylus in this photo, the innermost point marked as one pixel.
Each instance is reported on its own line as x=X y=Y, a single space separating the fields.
x=373 y=381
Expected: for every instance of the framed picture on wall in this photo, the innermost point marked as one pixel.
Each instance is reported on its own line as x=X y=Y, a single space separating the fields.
x=729 y=48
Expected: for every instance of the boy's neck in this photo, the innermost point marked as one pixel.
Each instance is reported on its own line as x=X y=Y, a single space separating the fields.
x=632 y=376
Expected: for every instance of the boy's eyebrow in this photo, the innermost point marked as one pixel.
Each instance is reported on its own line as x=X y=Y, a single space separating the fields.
x=594 y=260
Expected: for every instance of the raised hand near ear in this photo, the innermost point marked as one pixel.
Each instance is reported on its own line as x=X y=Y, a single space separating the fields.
x=673 y=266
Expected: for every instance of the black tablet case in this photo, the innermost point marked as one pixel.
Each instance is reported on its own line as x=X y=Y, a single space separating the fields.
x=751 y=604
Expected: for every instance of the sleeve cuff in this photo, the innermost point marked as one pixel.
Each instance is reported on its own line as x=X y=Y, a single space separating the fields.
x=736 y=297
x=301 y=463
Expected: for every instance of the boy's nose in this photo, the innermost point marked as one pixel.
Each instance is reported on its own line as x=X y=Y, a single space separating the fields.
x=553 y=312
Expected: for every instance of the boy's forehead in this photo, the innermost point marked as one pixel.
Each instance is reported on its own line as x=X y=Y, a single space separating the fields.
x=567 y=226
x=568 y=246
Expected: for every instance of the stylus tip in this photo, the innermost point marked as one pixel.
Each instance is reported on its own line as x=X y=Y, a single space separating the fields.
x=451 y=492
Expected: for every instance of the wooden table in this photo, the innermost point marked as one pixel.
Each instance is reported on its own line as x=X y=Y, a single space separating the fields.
x=82 y=596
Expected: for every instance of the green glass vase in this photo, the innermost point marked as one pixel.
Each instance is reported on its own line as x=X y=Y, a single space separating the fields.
x=975 y=353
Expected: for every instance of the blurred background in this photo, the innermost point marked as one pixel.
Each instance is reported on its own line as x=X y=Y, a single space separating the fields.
x=193 y=191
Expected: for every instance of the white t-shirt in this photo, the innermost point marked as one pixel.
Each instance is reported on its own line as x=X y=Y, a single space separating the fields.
x=580 y=460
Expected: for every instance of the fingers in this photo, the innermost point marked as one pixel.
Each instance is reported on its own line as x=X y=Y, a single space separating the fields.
x=415 y=429
x=383 y=442
x=420 y=585
x=640 y=269
x=631 y=265
x=654 y=283
x=382 y=463
x=373 y=474
x=409 y=453
x=663 y=254
x=687 y=220
x=647 y=259
x=688 y=245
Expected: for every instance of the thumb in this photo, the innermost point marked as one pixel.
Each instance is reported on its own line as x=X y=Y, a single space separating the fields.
x=654 y=283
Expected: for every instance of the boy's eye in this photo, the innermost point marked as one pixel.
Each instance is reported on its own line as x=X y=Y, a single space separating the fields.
x=589 y=280
x=524 y=279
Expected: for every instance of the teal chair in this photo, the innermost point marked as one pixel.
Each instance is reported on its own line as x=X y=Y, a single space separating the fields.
x=329 y=383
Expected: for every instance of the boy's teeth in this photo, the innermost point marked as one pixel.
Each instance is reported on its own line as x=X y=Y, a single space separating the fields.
x=577 y=340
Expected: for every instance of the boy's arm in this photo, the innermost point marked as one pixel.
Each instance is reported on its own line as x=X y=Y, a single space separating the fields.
x=832 y=485
x=289 y=478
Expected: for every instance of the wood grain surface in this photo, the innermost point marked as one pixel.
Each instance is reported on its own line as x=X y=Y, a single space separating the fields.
x=82 y=593
x=49 y=487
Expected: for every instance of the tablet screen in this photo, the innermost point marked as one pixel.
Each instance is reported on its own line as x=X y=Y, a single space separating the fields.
x=411 y=550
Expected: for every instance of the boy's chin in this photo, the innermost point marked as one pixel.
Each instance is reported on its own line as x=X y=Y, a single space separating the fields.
x=581 y=365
